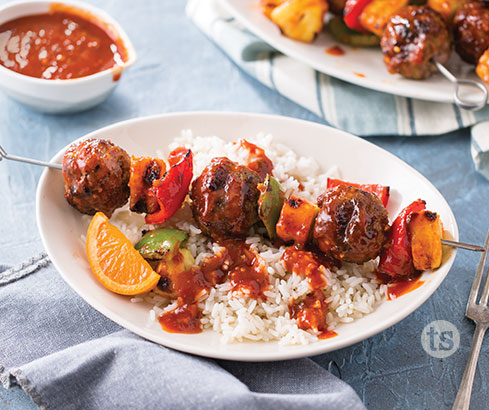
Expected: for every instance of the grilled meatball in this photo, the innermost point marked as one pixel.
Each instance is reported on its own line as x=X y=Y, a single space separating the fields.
x=96 y=173
x=351 y=224
x=471 y=30
x=224 y=199
x=412 y=38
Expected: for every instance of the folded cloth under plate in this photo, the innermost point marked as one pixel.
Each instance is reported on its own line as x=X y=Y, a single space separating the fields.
x=66 y=355
x=355 y=109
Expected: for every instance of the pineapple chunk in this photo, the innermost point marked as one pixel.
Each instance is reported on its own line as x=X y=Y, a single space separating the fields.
x=482 y=68
x=300 y=20
x=377 y=14
x=296 y=220
x=267 y=6
x=446 y=8
x=426 y=232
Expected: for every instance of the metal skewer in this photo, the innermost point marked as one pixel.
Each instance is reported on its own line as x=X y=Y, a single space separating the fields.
x=462 y=245
x=3 y=154
x=467 y=104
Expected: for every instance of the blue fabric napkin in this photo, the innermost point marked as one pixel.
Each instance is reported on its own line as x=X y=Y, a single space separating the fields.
x=368 y=112
x=66 y=355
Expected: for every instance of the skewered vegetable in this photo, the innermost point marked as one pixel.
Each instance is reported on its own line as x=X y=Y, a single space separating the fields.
x=446 y=8
x=352 y=12
x=270 y=204
x=426 y=230
x=397 y=258
x=377 y=14
x=296 y=220
x=300 y=20
x=267 y=6
x=144 y=171
x=158 y=243
x=171 y=190
x=342 y=33
x=482 y=68
x=163 y=248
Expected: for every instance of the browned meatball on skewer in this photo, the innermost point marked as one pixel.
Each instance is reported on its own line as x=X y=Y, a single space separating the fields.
x=96 y=175
x=471 y=30
x=351 y=224
x=412 y=39
x=224 y=199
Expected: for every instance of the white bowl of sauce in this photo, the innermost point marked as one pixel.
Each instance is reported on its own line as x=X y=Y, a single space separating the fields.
x=61 y=57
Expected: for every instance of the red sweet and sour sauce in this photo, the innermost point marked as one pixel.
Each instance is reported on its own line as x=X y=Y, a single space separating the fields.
x=257 y=161
x=335 y=51
x=400 y=285
x=58 y=45
x=305 y=263
x=236 y=262
x=311 y=310
x=394 y=290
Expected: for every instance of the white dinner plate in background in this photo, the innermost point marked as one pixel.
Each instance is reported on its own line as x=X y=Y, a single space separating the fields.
x=360 y=66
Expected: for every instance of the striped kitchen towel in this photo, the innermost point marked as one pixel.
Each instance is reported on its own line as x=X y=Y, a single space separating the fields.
x=352 y=108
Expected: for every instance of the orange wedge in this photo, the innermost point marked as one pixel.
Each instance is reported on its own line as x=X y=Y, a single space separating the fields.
x=115 y=262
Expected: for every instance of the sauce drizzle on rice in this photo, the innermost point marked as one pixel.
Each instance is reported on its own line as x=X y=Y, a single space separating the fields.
x=309 y=311
x=189 y=285
x=235 y=262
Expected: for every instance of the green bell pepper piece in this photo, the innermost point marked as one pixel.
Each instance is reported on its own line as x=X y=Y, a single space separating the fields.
x=158 y=243
x=270 y=204
x=342 y=33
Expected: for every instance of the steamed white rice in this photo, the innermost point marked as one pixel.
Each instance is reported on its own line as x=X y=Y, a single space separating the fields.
x=352 y=291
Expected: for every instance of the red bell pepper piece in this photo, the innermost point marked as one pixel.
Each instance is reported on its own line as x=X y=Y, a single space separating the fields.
x=381 y=191
x=171 y=190
x=397 y=258
x=176 y=155
x=352 y=12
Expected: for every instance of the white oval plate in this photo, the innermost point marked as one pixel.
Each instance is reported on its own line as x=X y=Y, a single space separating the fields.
x=61 y=226
x=355 y=63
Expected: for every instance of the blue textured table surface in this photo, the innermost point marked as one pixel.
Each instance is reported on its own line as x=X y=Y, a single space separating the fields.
x=180 y=70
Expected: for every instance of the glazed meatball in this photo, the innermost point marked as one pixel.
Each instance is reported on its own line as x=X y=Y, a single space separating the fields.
x=412 y=39
x=96 y=175
x=351 y=224
x=224 y=199
x=471 y=30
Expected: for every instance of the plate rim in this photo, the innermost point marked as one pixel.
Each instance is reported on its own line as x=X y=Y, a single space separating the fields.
x=291 y=352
